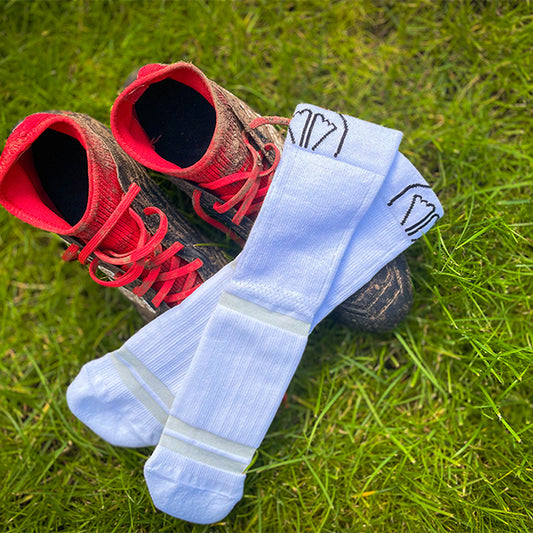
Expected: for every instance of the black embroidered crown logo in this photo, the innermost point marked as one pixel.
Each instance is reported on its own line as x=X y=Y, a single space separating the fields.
x=420 y=212
x=310 y=129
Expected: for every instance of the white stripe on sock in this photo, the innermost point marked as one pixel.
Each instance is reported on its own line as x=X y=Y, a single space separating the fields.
x=258 y=312
x=137 y=390
x=226 y=447
x=148 y=377
x=202 y=456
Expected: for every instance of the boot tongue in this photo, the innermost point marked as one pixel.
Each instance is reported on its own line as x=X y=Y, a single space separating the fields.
x=105 y=195
x=103 y=198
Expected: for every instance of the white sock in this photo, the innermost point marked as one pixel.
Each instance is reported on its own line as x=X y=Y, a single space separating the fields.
x=125 y=396
x=176 y=475
x=258 y=330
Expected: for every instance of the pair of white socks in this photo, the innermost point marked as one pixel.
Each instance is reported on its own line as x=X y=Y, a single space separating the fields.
x=204 y=380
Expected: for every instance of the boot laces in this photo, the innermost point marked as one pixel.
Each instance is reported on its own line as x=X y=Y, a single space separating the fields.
x=251 y=194
x=145 y=262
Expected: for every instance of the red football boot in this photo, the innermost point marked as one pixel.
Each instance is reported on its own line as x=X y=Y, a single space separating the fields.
x=64 y=173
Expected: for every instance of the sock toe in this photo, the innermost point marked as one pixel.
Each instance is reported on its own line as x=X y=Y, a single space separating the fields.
x=190 y=490
x=99 y=398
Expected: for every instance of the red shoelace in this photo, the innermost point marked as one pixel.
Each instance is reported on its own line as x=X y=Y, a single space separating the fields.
x=251 y=194
x=145 y=261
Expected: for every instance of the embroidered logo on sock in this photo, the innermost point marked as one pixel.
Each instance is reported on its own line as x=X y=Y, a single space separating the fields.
x=310 y=129
x=419 y=212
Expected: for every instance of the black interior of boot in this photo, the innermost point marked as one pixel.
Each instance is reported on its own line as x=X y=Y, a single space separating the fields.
x=61 y=164
x=179 y=121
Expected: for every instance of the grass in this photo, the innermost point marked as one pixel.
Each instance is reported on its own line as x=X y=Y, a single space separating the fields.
x=426 y=428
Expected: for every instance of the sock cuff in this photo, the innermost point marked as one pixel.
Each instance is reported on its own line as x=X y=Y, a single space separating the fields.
x=343 y=138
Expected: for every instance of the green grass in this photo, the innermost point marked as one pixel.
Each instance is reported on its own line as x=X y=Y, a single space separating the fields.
x=427 y=428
